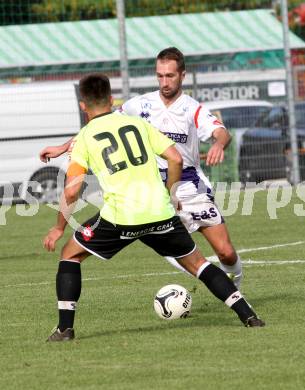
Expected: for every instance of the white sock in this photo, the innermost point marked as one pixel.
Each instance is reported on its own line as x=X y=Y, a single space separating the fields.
x=175 y=263
x=235 y=270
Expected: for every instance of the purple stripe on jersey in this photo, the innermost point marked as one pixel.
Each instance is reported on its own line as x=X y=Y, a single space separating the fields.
x=177 y=137
x=188 y=174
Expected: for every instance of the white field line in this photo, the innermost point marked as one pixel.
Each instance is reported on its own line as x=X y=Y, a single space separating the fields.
x=93 y=279
x=262 y=248
x=271 y=262
x=210 y=258
x=271 y=247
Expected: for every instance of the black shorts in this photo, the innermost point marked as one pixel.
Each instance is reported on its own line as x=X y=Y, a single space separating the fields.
x=103 y=239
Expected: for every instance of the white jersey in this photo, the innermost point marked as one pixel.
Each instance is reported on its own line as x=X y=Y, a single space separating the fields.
x=187 y=123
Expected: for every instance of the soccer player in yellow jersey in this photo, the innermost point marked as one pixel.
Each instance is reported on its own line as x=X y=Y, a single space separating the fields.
x=120 y=150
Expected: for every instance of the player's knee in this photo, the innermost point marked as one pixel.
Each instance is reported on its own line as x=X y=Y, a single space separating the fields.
x=73 y=251
x=67 y=254
x=64 y=253
x=227 y=255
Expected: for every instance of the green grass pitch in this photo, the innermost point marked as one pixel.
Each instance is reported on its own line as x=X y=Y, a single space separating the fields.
x=122 y=344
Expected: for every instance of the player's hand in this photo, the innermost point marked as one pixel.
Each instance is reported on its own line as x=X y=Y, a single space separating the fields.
x=215 y=154
x=50 y=152
x=55 y=233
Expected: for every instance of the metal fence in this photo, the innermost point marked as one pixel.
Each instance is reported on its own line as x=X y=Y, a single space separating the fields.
x=47 y=113
x=39 y=107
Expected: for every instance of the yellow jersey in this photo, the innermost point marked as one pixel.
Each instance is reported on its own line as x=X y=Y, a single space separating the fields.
x=120 y=150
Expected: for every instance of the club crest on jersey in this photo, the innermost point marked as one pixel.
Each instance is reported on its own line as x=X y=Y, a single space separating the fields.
x=87 y=233
x=145 y=115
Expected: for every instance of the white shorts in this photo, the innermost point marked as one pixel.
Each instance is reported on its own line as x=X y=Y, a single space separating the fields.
x=199 y=211
x=196 y=198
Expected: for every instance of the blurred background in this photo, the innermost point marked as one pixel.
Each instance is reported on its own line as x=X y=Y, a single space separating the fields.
x=245 y=62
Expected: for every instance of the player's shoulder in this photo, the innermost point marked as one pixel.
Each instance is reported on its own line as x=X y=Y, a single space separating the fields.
x=132 y=119
x=142 y=99
x=190 y=106
x=82 y=131
x=197 y=108
x=189 y=99
x=149 y=96
x=140 y=104
x=198 y=114
x=189 y=102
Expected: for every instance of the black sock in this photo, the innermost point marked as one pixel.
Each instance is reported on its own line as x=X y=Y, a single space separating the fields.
x=68 y=288
x=224 y=289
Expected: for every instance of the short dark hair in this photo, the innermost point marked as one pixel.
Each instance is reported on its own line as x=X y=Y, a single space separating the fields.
x=94 y=89
x=172 y=53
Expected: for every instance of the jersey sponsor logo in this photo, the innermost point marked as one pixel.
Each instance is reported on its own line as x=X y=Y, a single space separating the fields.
x=176 y=137
x=138 y=233
x=156 y=229
x=212 y=213
x=166 y=226
x=87 y=233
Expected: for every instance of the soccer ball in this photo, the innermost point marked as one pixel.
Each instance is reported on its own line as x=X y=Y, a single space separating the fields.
x=172 y=301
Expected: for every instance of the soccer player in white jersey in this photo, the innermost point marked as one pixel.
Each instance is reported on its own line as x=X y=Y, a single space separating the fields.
x=187 y=123
x=121 y=150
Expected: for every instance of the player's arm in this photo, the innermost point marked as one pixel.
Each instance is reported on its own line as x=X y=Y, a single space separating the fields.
x=175 y=163
x=54 y=151
x=209 y=127
x=73 y=184
x=221 y=139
